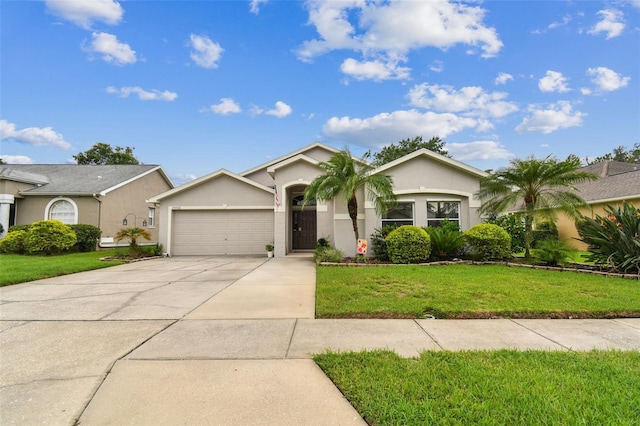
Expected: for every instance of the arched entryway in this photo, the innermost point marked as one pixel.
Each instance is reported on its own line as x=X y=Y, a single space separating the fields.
x=302 y=221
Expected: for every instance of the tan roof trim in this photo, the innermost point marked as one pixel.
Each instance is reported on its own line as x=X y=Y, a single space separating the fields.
x=435 y=156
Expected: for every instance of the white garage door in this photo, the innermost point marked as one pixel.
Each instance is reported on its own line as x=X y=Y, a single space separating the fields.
x=211 y=232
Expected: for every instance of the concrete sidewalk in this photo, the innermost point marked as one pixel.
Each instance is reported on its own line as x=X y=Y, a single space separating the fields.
x=206 y=340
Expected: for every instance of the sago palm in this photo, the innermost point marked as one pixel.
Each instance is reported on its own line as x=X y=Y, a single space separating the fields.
x=535 y=186
x=132 y=234
x=344 y=176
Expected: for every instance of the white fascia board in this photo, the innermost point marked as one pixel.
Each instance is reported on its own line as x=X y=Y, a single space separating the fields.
x=433 y=155
x=141 y=175
x=300 y=157
x=289 y=155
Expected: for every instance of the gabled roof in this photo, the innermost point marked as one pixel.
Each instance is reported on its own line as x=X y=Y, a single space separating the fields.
x=74 y=179
x=423 y=152
x=300 y=157
x=206 y=178
x=617 y=181
x=289 y=155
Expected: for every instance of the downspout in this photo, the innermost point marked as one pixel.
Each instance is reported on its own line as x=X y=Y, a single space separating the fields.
x=96 y=197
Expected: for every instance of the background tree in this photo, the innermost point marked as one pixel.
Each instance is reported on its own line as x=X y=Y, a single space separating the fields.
x=407 y=146
x=344 y=176
x=1 y=161
x=621 y=153
x=102 y=153
x=536 y=186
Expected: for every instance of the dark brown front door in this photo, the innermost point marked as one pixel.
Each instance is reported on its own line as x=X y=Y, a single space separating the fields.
x=304 y=229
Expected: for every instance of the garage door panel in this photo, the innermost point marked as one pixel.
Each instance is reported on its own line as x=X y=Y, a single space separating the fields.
x=215 y=232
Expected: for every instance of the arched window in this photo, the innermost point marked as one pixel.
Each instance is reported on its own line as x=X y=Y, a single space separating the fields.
x=62 y=209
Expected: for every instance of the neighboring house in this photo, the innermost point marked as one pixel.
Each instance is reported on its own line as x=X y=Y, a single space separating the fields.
x=229 y=213
x=103 y=196
x=617 y=182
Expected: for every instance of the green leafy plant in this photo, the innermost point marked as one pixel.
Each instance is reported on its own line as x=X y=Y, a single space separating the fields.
x=614 y=239
x=49 y=237
x=87 y=236
x=328 y=254
x=269 y=247
x=488 y=242
x=514 y=225
x=445 y=243
x=545 y=230
x=379 y=241
x=14 y=242
x=14 y=228
x=408 y=244
x=554 y=253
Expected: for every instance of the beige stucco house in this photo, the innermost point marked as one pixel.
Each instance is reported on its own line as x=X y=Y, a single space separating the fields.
x=617 y=182
x=103 y=196
x=228 y=213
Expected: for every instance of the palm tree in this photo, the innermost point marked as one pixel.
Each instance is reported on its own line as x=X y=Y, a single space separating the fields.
x=344 y=176
x=535 y=186
x=132 y=234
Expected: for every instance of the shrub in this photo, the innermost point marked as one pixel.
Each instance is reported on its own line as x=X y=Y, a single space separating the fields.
x=328 y=254
x=48 y=237
x=379 y=241
x=323 y=242
x=546 y=230
x=488 y=242
x=13 y=242
x=14 y=228
x=449 y=226
x=514 y=225
x=614 y=239
x=553 y=252
x=87 y=236
x=445 y=243
x=408 y=244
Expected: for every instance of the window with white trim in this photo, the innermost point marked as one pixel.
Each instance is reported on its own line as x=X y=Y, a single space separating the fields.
x=152 y=217
x=439 y=211
x=64 y=211
x=401 y=214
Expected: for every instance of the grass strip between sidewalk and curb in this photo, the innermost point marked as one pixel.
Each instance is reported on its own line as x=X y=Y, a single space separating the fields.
x=489 y=387
x=471 y=291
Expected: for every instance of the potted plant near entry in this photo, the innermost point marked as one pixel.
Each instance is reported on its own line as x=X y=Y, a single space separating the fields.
x=269 y=248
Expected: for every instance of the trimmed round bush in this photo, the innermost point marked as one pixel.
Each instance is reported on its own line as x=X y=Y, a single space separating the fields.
x=49 y=236
x=13 y=242
x=408 y=244
x=87 y=236
x=489 y=242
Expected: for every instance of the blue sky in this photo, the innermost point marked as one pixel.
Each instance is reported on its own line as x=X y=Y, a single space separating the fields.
x=196 y=86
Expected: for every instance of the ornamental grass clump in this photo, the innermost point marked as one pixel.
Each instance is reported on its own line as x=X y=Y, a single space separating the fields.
x=409 y=244
x=488 y=242
x=614 y=239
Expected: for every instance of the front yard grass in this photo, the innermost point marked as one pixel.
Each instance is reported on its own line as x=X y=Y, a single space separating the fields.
x=471 y=291
x=489 y=387
x=18 y=268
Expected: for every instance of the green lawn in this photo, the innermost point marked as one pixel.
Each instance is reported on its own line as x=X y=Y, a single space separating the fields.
x=503 y=387
x=471 y=291
x=18 y=269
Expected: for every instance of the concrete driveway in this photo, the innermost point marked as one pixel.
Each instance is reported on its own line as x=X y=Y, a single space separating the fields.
x=216 y=340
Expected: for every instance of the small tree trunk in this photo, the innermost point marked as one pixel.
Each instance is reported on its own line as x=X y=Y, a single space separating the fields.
x=528 y=231
x=352 y=206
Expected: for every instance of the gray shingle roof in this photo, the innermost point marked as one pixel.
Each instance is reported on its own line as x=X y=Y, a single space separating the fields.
x=71 y=179
x=617 y=181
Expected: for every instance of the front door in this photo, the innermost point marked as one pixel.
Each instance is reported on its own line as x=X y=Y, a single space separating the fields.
x=304 y=229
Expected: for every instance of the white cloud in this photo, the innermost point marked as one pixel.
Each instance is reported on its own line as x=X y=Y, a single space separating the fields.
x=585 y=91
x=254 y=5
x=607 y=79
x=471 y=100
x=143 y=95
x=553 y=81
x=437 y=66
x=502 y=78
x=281 y=110
x=612 y=23
x=84 y=12
x=478 y=150
x=36 y=136
x=206 y=52
x=384 y=128
x=391 y=29
x=557 y=116
x=225 y=107
x=16 y=159
x=111 y=49
x=374 y=70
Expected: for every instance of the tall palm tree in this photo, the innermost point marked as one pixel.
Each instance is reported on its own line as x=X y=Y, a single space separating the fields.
x=536 y=186
x=344 y=176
